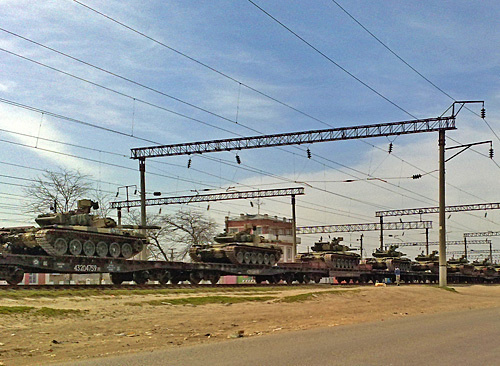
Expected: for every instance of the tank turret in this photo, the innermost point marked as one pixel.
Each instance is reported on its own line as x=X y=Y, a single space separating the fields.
x=74 y=233
x=429 y=262
x=389 y=259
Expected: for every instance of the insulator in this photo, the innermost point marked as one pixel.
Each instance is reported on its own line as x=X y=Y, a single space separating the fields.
x=483 y=113
x=417 y=176
x=189 y=163
x=308 y=154
x=238 y=160
x=491 y=153
x=390 y=147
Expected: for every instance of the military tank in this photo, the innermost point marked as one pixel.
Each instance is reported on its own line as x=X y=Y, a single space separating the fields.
x=425 y=262
x=389 y=259
x=460 y=265
x=238 y=248
x=76 y=233
x=485 y=267
x=332 y=253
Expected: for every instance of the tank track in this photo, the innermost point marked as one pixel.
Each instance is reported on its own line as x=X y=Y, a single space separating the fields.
x=45 y=238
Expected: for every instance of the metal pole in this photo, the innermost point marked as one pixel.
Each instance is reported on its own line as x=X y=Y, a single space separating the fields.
x=381 y=232
x=491 y=254
x=119 y=209
x=465 y=247
x=442 y=212
x=426 y=241
x=294 y=229
x=361 y=246
x=142 y=168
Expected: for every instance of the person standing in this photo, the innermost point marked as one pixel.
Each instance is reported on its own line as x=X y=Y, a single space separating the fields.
x=397 y=272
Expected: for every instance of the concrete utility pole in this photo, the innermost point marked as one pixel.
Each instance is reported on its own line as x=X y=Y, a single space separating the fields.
x=442 y=212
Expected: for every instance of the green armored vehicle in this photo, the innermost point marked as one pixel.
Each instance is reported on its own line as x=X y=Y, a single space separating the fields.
x=332 y=253
x=460 y=265
x=389 y=259
x=428 y=262
x=76 y=233
x=237 y=248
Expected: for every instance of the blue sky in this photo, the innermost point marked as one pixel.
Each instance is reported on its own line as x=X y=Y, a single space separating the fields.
x=454 y=44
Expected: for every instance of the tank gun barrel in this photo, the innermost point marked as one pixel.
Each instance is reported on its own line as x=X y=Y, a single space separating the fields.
x=138 y=227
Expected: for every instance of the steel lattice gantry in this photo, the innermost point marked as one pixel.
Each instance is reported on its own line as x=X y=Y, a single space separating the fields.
x=210 y=197
x=449 y=242
x=349 y=228
x=297 y=138
x=426 y=210
x=479 y=234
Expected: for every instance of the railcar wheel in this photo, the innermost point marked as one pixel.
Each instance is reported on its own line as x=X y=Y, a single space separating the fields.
x=117 y=278
x=89 y=248
x=317 y=278
x=141 y=277
x=114 y=250
x=175 y=280
x=164 y=277
x=288 y=279
x=240 y=258
x=15 y=276
x=75 y=247
x=247 y=257
x=214 y=279
x=195 y=277
x=259 y=279
x=127 y=251
x=102 y=249
x=307 y=279
x=60 y=246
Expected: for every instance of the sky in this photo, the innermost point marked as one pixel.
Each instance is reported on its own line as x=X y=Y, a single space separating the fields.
x=83 y=82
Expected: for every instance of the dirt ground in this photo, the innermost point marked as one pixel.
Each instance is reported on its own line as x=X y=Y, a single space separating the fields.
x=114 y=324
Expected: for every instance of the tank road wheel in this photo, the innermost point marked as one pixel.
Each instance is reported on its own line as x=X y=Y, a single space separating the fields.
x=138 y=246
x=127 y=251
x=164 y=277
x=60 y=246
x=272 y=259
x=266 y=259
x=15 y=276
x=140 y=277
x=214 y=278
x=260 y=258
x=114 y=250
x=254 y=257
x=195 y=277
x=247 y=257
x=89 y=248
x=102 y=249
x=75 y=247
x=240 y=257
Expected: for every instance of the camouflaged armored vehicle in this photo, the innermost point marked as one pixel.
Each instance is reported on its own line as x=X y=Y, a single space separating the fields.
x=428 y=262
x=334 y=254
x=237 y=248
x=460 y=265
x=76 y=233
x=389 y=259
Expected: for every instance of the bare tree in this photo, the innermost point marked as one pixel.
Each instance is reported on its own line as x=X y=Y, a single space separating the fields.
x=187 y=228
x=179 y=231
x=60 y=190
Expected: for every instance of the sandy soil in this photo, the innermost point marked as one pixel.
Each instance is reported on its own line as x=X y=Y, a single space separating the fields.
x=111 y=325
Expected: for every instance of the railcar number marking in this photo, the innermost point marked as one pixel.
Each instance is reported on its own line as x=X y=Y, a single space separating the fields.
x=86 y=268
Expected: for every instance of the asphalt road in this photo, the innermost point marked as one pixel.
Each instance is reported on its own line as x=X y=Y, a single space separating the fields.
x=459 y=338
